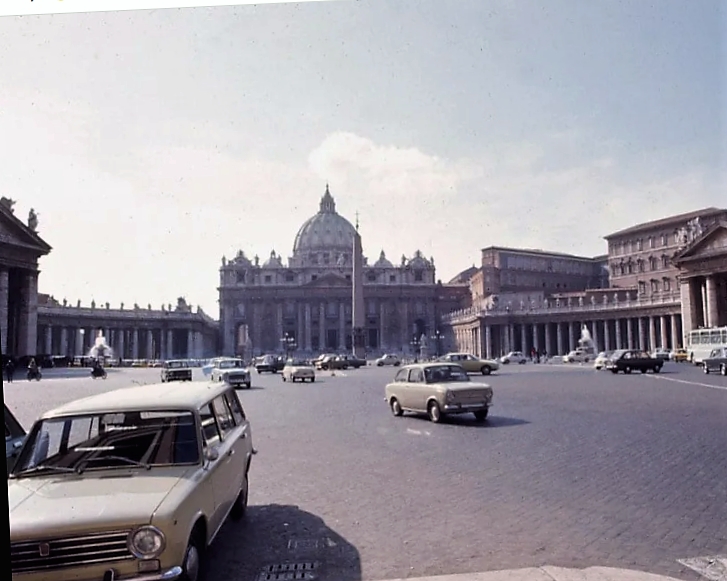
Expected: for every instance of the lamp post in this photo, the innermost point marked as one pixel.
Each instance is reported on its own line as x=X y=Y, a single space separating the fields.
x=288 y=342
x=437 y=338
x=82 y=332
x=416 y=343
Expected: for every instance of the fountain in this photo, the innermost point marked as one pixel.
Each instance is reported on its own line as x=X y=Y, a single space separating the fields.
x=586 y=342
x=100 y=349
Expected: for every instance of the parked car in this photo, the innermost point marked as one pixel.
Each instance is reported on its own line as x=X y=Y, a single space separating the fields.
x=129 y=484
x=717 y=361
x=680 y=355
x=353 y=361
x=231 y=370
x=14 y=437
x=601 y=359
x=176 y=370
x=298 y=370
x=388 y=359
x=661 y=353
x=628 y=360
x=267 y=364
x=514 y=357
x=470 y=363
x=437 y=389
x=578 y=356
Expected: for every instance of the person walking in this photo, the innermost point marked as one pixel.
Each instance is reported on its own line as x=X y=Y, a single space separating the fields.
x=9 y=371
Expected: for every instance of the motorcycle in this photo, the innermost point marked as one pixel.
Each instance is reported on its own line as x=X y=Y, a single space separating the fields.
x=98 y=372
x=34 y=374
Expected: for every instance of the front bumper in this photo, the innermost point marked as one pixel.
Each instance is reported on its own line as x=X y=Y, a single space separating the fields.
x=455 y=408
x=168 y=575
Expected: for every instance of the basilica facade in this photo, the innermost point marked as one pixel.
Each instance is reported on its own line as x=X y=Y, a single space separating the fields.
x=305 y=303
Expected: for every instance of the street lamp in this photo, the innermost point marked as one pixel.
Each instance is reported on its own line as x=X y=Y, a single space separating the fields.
x=416 y=343
x=288 y=342
x=437 y=338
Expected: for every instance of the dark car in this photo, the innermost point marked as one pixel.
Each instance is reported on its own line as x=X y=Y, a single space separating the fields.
x=176 y=370
x=354 y=361
x=14 y=438
x=716 y=362
x=330 y=362
x=269 y=364
x=628 y=360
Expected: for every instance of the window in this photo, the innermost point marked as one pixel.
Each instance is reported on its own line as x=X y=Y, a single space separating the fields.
x=371 y=277
x=416 y=375
x=210 y=432
x=642 y=287
x=641 y=266
x=268 y=278
x=225 y=419
x=639 y=244
x=289 y=277
x=652 y=243
x=666 y=284
x=663 y=240
x=402 y=376
x=348 y=277
x=314 y=277
x=652 y=263
x=419 y=276
x=654 y=286
x=240 y=276
x=665 y=262
x=392 y=278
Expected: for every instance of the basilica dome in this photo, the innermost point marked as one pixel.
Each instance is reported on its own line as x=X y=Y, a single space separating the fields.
x=326 y=232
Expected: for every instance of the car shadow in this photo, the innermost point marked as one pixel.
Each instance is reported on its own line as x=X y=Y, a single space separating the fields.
x=277 y=541
x=470 y=421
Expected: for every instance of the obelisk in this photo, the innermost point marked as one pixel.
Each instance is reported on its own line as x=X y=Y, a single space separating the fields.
x=359 y=345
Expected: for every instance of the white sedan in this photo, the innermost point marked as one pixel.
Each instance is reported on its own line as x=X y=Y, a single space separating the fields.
x=298 y=370
x=514 y=357
x=601 y=359
x=388 y=359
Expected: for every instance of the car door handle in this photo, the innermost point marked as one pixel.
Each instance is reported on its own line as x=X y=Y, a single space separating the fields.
x=231 y=452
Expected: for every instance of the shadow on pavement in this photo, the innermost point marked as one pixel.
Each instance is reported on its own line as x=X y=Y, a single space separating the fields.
x=273 y=539
x=491 y=422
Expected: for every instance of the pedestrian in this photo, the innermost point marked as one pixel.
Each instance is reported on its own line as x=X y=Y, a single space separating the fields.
x=9 y=370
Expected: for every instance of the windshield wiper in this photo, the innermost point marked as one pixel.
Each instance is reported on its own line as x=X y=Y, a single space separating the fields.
x=43 y=467
x=82 y=465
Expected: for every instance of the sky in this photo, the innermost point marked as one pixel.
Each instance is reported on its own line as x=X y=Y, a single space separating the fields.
x=152 y=143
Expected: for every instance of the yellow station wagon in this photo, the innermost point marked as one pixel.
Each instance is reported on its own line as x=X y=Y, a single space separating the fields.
x=129 y=484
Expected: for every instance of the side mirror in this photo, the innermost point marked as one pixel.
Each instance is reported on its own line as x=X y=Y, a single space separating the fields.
x=211 y=454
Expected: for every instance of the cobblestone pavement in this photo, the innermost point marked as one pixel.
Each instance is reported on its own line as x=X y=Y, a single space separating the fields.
x=575 y=468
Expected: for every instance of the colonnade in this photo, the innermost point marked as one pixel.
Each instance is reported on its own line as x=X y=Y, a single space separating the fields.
x=125 y=342
x=485 y=339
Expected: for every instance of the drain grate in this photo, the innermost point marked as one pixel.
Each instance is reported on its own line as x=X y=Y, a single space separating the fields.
x=288 y=572
x=303 y=544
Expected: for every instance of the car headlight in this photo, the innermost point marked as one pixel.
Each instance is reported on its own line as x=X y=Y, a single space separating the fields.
x=450 y=396
x=146 y=542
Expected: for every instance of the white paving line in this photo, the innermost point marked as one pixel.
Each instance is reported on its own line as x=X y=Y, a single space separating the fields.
x=712 y=568
x=657 y=376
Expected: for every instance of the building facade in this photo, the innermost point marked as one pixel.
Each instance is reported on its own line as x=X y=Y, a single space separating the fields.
x=136 y=333
x=640 y=308
x=306 y=303
x=20 y=250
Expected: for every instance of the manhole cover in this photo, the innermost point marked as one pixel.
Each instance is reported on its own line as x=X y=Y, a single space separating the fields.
x=288 y=572
x=303 y=544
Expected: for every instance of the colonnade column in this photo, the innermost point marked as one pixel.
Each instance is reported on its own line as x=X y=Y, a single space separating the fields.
x=488 y=341
x=48 y=340
x=170 y=345
x=64 y=341
x=308 y=346
x=711 y=311
x=676 y=342
x=150 y=344
x=279 y=325
x=190 y=344
x=323 y=345
x=652 y=333
x=548 y=339
x=572 y=340
x=4 y=310
x=300 y=328
x=630 y=333
x=642 y=332
x=559 y=338
x=607 y=335
x=121 y=348
x=619 y=342
x=341 y=326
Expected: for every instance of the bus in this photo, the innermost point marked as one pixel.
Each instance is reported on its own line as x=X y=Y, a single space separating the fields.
x=701 y=342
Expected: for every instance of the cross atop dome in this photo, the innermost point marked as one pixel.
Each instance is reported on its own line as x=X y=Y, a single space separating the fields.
x=328 y=205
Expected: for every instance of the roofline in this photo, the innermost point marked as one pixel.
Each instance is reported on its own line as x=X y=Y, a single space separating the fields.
x=538 y=252
x=43 y=246
x=668 y=221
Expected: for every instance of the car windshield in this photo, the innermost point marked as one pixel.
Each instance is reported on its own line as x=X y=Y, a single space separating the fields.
x=445 y=374
x=110 y=440
x=176 y=364
x=298 y=363
x=230 y=363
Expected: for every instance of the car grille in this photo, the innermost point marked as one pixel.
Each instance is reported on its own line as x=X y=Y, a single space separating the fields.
x=237 y=376
x=52 y=554
x=470 y=396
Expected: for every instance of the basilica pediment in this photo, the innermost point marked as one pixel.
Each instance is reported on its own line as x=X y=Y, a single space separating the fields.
x=329 y=280
x=711 y=244
x=15 y=233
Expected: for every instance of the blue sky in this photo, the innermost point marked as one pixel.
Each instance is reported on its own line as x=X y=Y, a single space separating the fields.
x=153 y=142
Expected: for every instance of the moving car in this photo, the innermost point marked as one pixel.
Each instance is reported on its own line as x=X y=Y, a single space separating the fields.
x=129 y=484
x=176 y=370
x=267 y=364
x=231 y=370
x=514 y=357
x=14 y=438
x=628 y=360
x=470 y=363
x=388 y=359
x=353 y=361
x=437 y=389
x=298 y=369
x=717 y=361
x=680 y=355
x=578 y=356
x=330 y=362
x=661 y=353
x=601 y=359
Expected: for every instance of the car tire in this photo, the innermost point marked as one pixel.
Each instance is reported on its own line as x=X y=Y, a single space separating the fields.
x=239 y=508
x=397 y=364
x=627 y=370
x=248 y=385
x=434 y=412
x=723 y=369
x=379 y=365
x=486 y=370
x=705 y=368
x=614 y=371
x=481 y=415
x=657 y=369
x=193 y=566
x=312 y=379
x=396 y=407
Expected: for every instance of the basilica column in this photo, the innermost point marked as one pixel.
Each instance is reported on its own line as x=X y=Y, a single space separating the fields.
x=27 y=332
x=619 y=341
x=630 y=333
x=642 y=333
x=383 y=339
x=676 y=342
x=48 y=347
x=524 y=338
x=686 y=290
x=300 y=327
x=488 y=341
x=322 y=328
x=190 y=345
x=170 y=345
x=607 y=335
x=135 y=344
x=150 y=344
x=652 y=333
x=664 y=327
x=559 y=338
x=64 y=342
x=121 y=340
x=405 y=327
x=307 y=329
x=341 y=326
x=573 y=338
x=279 y=326
x=548 y=339
x=711 y=299
x=4 y=310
